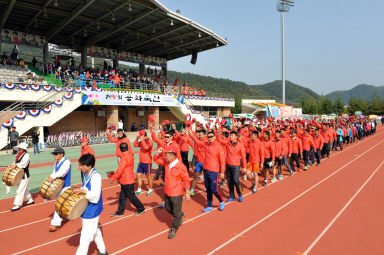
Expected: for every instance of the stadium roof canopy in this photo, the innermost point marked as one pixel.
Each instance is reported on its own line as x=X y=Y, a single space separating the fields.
x=138 y=26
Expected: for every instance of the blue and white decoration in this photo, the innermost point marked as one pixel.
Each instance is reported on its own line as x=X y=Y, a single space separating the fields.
x=59 y=102
x=23 y=86
x=47 y=109
x=69 y=89
x=210 y=98
x=88 y=88
x=8 y=123
x=47 y=88
x=68 y=95
x=34 y=113
x=98 y=89
x=58 y=89
x=78 y=90
x=35 y=87
x=10 y=86
x=21 y=116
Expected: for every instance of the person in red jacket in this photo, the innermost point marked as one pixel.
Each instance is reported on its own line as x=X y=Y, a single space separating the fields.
x=235 y=158
x=319 y=143
x=269 y=156
x=126 y=178
x=307 y=144
x=214 y=164
x=297 y=149
x=121 y=138
x=145 y=165
x=176 y=175
x=200 y=157
x=185 y=142
x=256 y=160
x=85 y=149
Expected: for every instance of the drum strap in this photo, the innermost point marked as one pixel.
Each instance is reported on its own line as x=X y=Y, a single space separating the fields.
x=86 y=180
x=26 y=170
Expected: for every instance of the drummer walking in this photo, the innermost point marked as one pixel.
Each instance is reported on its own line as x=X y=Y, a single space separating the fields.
x=92 y=189
x=62 y=170
x=22 y=161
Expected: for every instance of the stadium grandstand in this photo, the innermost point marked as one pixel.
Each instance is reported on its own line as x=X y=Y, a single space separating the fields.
x=64 y=66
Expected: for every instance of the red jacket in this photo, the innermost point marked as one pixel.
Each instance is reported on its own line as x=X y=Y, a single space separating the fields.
x=118 y=141
x=256 y=151
x=269 y=149
x=278 y=147
x=125 y=172
x=235 y=154
x=297 y=146
x=319 y=141
x=145 y=150
x=308 y=142
x=200 y=149
x=87 y=150
x=214 y=160
x=185 y=142
x=162 y=144
x=287 y=145
x=174 y=177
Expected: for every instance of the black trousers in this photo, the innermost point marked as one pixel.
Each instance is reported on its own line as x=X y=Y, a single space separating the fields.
x=128 y=191
x=294 y=158
x=160 y=171
x=305 y=157
x=14 y=143
x=317 y=156
x=173 y=205
x=184 y=157
x=233 y=173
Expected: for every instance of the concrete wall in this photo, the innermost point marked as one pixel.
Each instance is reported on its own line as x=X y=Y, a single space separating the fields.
x=79 y=121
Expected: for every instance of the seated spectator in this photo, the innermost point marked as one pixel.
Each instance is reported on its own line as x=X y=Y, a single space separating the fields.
x=34 y=62
x=4 y=59
x=134 y=127
x=142 y=126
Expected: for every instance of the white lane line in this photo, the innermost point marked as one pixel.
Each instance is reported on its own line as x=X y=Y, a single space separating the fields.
x=289 y=202
x=341 y=211
x=65 y=237
x=30 y=223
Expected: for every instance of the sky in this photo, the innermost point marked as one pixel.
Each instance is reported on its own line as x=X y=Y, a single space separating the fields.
x=329 y=44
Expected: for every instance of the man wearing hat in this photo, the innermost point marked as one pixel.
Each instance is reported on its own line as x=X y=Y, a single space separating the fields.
x=85 y=149
x=62 y=170
x=22 y=161
x=176 y=176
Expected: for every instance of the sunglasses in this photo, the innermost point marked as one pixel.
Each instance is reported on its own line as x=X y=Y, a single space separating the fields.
x=55 y=154
x=167 y=136
x=211 y=136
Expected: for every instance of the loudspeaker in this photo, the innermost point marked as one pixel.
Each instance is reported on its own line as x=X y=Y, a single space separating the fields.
x=194 y=57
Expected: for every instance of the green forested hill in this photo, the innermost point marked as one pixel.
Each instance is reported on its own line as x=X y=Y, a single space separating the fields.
x=361 y=91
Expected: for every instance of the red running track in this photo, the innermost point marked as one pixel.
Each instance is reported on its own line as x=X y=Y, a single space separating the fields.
x=331 y=209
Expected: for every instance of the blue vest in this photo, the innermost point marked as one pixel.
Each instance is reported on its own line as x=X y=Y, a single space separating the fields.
x=93 y=209
x=67 y=177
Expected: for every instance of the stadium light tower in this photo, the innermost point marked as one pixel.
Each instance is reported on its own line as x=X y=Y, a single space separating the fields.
x=283 y=6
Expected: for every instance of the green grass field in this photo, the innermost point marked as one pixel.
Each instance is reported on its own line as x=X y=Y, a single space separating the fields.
x=37 y=175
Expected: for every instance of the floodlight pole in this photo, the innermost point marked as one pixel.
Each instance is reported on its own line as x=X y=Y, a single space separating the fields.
x=282 y=7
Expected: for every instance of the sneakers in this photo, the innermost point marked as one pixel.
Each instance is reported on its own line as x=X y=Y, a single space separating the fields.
x=290 y=173
x=15 y=208
x=245 y=177
x=317 y=164
x=172 y=233
x=280 y=177
x=149 y=192
x=222 y=184
x=192 y=193
x=231 y=199
x=240 y=199
x=273 y=180
x=265 y=183
x=53 y=228
x=99 y=253
x=139 y=213
x=201 y=177
x=254 y=191
x=139 y=192
x=31 y=202
x=305 y=168
x=222 y=206
x=116 y=214
x=162 y=205
x=208 y=209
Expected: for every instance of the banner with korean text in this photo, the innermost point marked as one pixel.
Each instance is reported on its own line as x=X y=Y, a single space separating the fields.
x=130 y=99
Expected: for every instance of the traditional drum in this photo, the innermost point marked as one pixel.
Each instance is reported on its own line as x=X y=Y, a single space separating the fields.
x=12 y=176
x=69 y=205
x=50 y=190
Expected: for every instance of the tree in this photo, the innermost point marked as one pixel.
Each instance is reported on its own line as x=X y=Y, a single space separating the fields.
x=309 y=105
x=325 y=105
x=339 y=106
x=375 y=106
x=238 y=106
